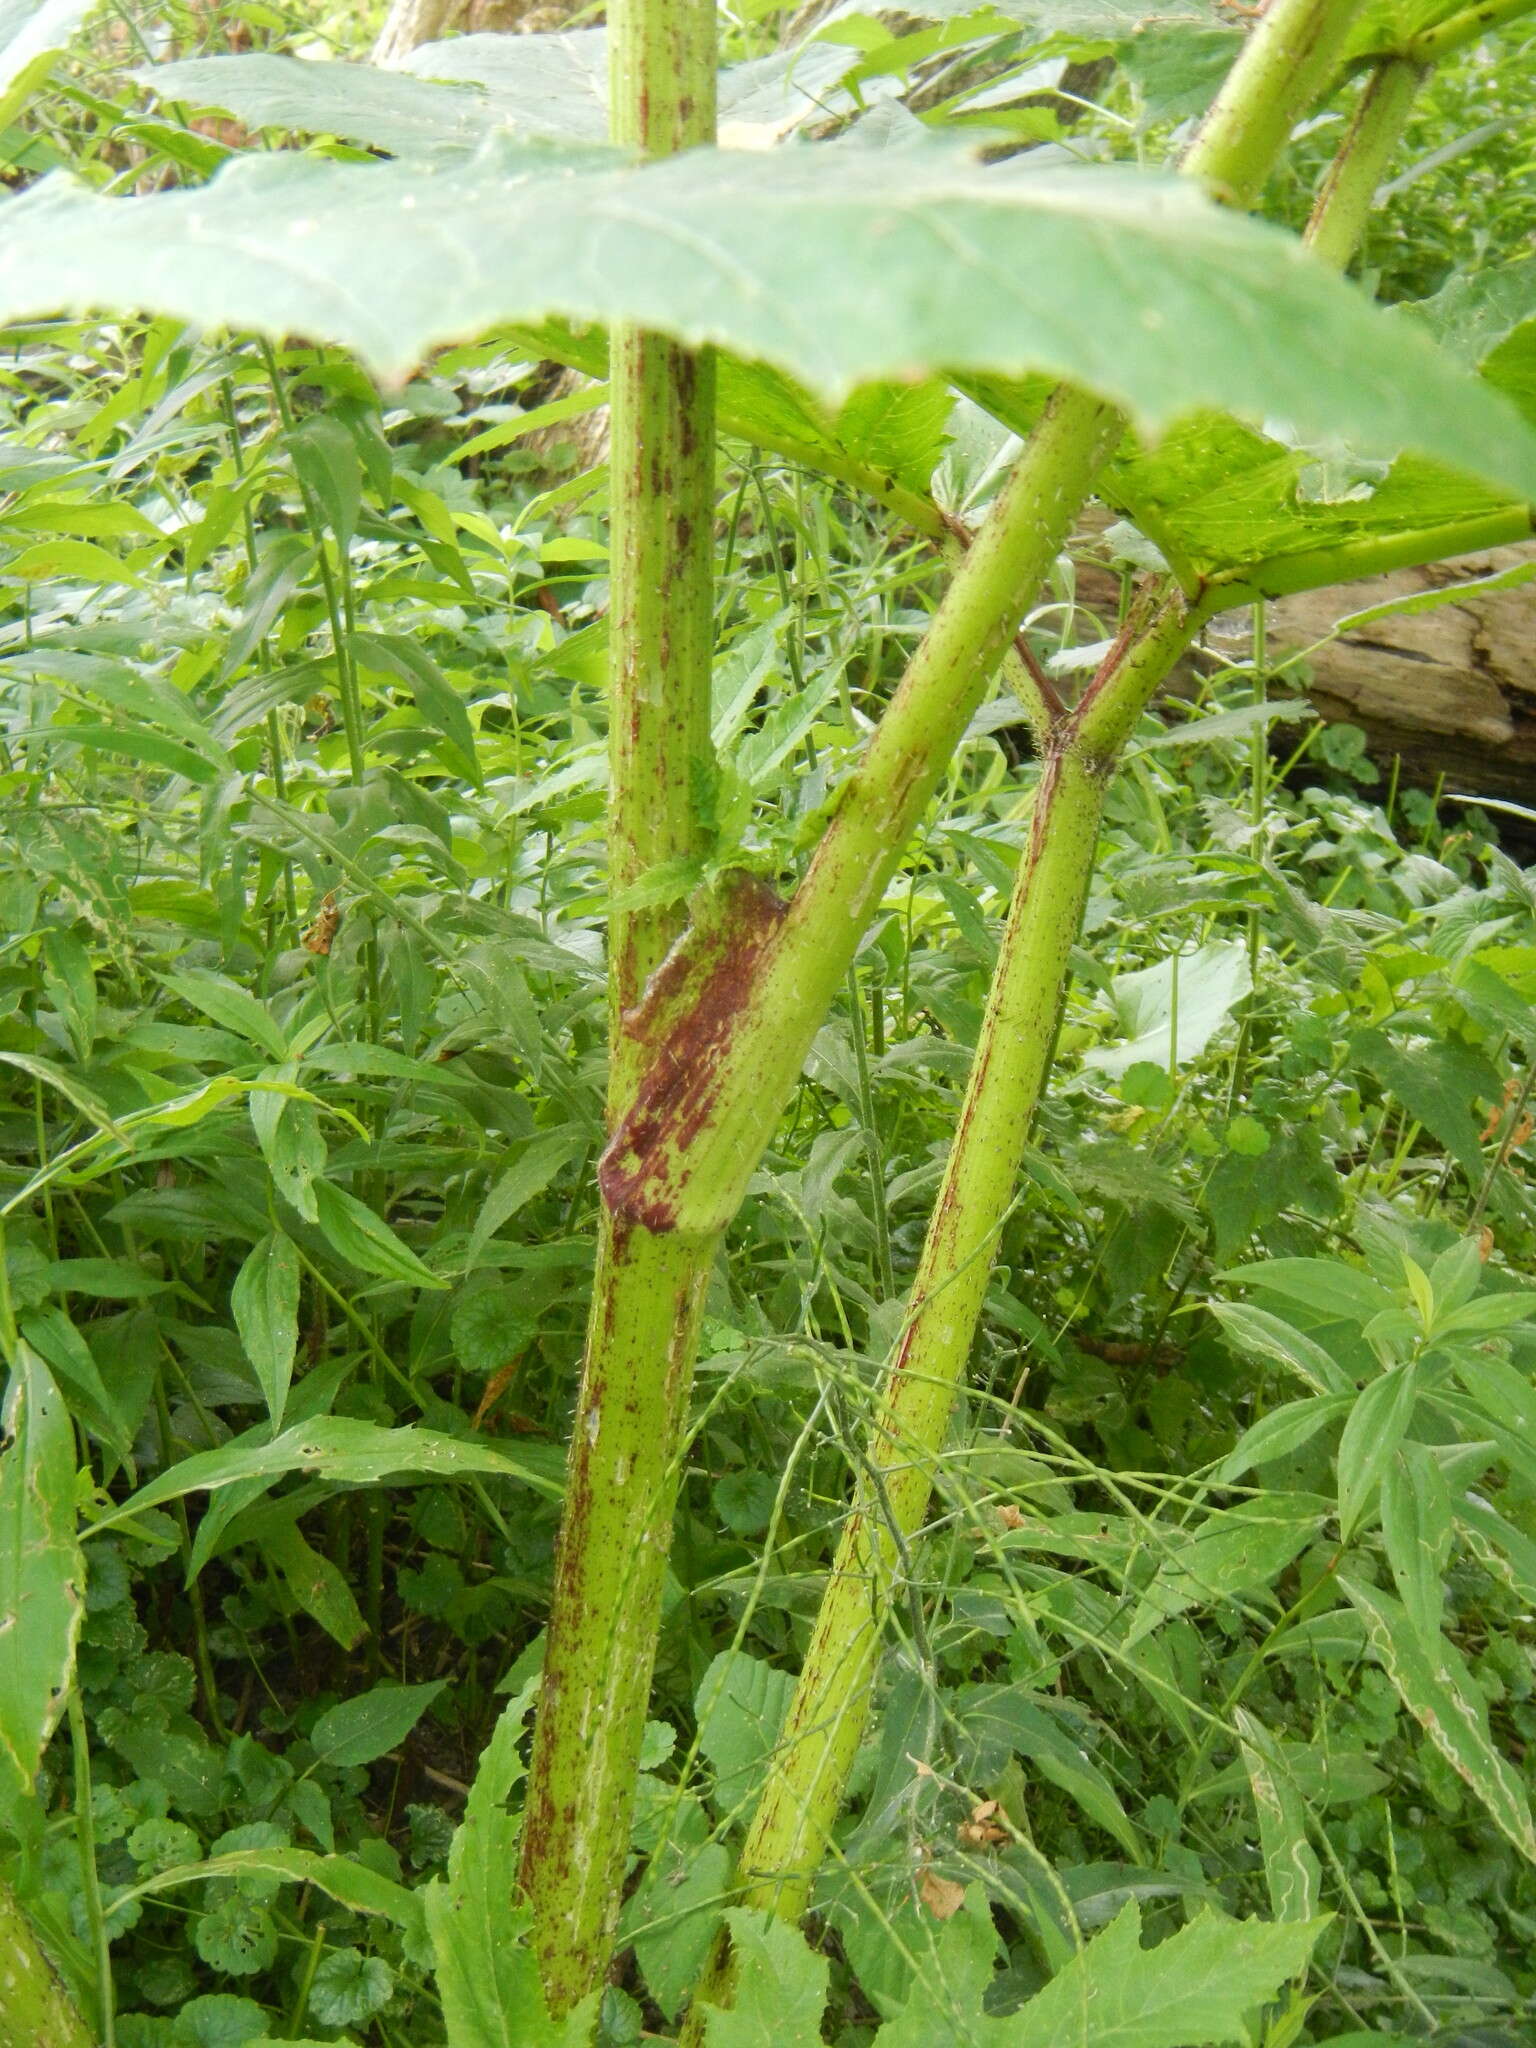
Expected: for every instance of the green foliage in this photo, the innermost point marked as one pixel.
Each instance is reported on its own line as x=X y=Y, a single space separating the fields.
x=1222 y=1621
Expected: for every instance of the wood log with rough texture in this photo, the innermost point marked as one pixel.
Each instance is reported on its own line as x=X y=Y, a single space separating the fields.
x=410 y=23
x=1451 y=692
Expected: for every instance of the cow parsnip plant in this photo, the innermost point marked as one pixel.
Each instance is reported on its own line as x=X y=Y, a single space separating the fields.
x=354 y=1080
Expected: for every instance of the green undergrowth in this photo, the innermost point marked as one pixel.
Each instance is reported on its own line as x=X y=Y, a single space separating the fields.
x=1224 y=1607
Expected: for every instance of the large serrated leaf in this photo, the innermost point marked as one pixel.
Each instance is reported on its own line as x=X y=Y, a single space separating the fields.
x=487 y=1973
x=1198 y=1987
x=837 y=264
x=549 y=87
x=781 y=1988
x=41 y=1574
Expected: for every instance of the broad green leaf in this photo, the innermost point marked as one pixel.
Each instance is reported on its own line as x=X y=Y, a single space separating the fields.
x=1172 y=1010
x=60 y=1346
x=946 y=1997
x=741 y=1706
x=674 y=1913
x=780 y=1990
x=487 y=1972
x=233 y=1007
x=556 y=86
x=528 y=1175
x=361 y=1729
x=342 y=1448
x=840 y=265
x=265 y=1300
x=1327 y=1287
x=1291 y=1869
x=365 y=1240
x=1437 y=1083
x=1506 y=1551
x=1375 y=1428
x=389 y=111
x=1033 y=1732
x=65 y=1084
x=438 y=702
x=33 y=34
x=41 y=1572
x=1196 y=1988
x=448 y=98
x=1436 y=1687
x=1281 y=1432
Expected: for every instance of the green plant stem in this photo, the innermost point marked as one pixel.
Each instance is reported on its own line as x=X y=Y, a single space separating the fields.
x=1284 y=66
x=35 y=2010
x=827 y=1718
x=90 y=1883
x=1349 y=189
x=874 y=1154
x=1456 y=30
x=648 y=1291
x=648 y=1297
x=662 y=470
x=809 y=1770
x=682 y=1157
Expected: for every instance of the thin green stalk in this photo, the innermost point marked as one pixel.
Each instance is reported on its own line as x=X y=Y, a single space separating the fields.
x=827 y=1718
x=1349 y=189
x=648 y=1291
x=90 y=1883
x=1457 y=30
x=35 y=2010
x=874 y=1155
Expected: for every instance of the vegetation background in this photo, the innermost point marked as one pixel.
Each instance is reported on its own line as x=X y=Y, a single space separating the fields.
x=302 y=1058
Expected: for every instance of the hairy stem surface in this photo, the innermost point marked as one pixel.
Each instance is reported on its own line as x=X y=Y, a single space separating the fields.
x=648 y=1291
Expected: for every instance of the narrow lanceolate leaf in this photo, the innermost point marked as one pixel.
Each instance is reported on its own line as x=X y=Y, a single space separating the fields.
x=1197 y=1988
x=343 y=1448
x=365 y=1240
x=265 y=1299
x=1291 y=1868
x=1373 y=1432
x=837 y=265
x=40 y=1569
x=1440 y=1692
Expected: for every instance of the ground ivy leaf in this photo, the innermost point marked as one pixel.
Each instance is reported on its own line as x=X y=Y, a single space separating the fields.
x=839 y=265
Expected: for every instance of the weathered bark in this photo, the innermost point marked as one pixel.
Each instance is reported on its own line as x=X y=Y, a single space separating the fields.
x=411 y=23
x=1451 y=692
